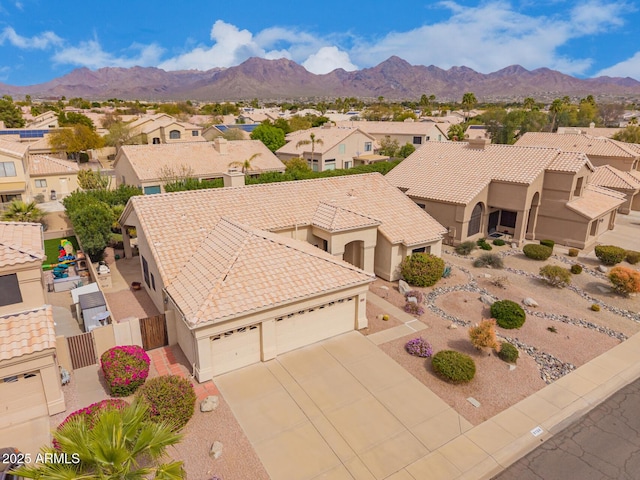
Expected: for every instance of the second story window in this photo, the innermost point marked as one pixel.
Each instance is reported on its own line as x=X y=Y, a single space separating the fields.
x=7 y=169
x=41 y=183
x=174 y=134
x=368 y=146
x=9 y=290
x=417 y=140
x=194 y=133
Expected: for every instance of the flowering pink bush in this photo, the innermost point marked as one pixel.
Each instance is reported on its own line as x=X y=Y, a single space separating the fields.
x=125 y=368
x=413 y=308
x=89 y=413
x=419 y=347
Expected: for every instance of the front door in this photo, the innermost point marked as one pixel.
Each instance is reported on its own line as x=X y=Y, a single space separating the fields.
x=493 y=221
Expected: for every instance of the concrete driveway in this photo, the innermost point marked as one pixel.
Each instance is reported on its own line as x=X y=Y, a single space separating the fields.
x=340 y=409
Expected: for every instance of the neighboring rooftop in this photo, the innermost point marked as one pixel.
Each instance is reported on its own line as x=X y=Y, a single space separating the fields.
x=596 y=201
x=326 y=137
x=20 y=243
x=27 y=332
x=610 y=177
x=578 y=142
x=47 y=165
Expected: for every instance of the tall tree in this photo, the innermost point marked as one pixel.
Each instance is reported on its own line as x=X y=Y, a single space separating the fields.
x=246 y=165
x=456 y=132
x=468 y=102
x=313 y=141
x=271 y=136
x=630 y=134
x=557 y=106
x=117 y=444
x=529 y=103
x=10 y=114
x=66 y=119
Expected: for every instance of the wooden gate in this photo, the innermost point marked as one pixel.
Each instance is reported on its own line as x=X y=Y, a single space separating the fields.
x=82 y=350
x=154 y=332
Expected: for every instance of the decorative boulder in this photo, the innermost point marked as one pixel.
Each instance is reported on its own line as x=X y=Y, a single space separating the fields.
x=487 y=300
x=403 y=287
x=210 y=403
x=602 y=269
x=412 y=300
x=530 y=302
x=216 y=450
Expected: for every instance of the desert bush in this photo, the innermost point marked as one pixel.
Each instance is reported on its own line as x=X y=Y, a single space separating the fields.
x=419 y=347
x=573 y=252
x=453 y=366
x=555 y=275
x=501 y=282
x=625 y=280
x=484 y=335
x=610 y=254
x=576 y=269
x=595 y=307
x=413 y=308
x=482 y=243
x=125 y=368
x=417 y=294
x=171 y=399
x=632 y=257
x=548 y=243
x=422 y=269
x=490 y=260
x=508 y=314
x=537 y=252
x=508 y=353
x=498 y=242
x=465 y=248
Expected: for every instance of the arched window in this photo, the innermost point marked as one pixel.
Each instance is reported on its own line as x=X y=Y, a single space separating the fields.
x=476 y=219
x=174 y=134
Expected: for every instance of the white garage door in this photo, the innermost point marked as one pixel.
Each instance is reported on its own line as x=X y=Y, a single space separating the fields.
x=235 y=349
x=312 y=325
x=21 y=399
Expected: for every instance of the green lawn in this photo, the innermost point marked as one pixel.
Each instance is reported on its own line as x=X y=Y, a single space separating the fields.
x=51 y=249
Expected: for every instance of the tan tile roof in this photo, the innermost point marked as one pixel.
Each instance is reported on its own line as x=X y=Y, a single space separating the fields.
x=455 y=172
x=47 y=165
x=635 y=174
x=237 y=269
x=329 y=136
x=395 y=128
x=176 y=223
x=20 y=243
x=27 y=332
x=15 y=148
x=577 y=142
x=334 y=218
x=610 y=177
x=202 y=157
x=596 y=201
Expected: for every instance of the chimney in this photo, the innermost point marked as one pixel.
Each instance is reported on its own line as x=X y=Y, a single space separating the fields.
x=233 y=178
x=478 y=143
x=221 y=145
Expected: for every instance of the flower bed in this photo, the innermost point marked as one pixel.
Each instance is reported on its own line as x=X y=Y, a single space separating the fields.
x=125 y=368
x=88 y=414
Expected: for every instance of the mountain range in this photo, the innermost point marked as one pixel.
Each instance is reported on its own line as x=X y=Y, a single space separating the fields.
x=278 y=80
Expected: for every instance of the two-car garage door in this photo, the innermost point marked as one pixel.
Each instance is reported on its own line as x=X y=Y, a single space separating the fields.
x=241 y=347
x=21 y=399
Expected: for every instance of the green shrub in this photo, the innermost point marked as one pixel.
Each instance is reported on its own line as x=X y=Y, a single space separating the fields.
x=454 y=367
x=595 y=307
x=508 y=353
x=633 y=257
x=573 y=252
x=480 y=241
x=171 y=399
x=610 y=254
x=498 y=242
x=489 y=260
x=422 y=269
x=465 y=248
x=508 y=314
x=576 y=269
x=537 y=252
x=486 y=246
x=555 y=275
x=548 y=243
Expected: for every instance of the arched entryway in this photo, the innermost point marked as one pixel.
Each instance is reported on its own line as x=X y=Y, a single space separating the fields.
x=354 y=253
x=475 y=222
x=532 y=217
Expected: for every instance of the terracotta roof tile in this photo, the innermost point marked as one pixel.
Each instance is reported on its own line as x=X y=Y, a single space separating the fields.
x=577 y=142
x=596 y=201
x=610 y=177
x=27 y=332
x=16 y=148
x=237 y=269
x=334 y=218
x=47 y=165
x=20 y=243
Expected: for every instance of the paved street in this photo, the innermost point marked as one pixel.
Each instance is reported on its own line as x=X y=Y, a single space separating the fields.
x=604 y=444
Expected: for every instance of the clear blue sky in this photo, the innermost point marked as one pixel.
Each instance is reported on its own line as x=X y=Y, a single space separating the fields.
x=44 y=39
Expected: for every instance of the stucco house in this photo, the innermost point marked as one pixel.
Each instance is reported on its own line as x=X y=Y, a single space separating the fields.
x=477 y=189
x=49 y=176
x=413 y=133
x=246 y=273
x=163 y=128
x=29 y=374
x=148 y=166
x=13 y=182
x=333 y=147
x=627 y=183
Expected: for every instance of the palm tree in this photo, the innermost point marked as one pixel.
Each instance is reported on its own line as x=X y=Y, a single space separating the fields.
x=529 y=103
x=556 y=107
x=246 y=164
x=19 y=211
x=121 y=443
x=313 y=141
x=468 y=101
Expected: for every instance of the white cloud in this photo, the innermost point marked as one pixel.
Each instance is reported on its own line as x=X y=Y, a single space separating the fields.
x=38 y=42
x=90 y=54
x=327 y=59
x=626 y=68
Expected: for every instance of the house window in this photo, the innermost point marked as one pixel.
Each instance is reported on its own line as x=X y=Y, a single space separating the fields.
x=152 y=190
x=368 y=146
x=314 y=165
x=174 y=134
x=194 y=133
x=342 y=148
x=348 y=164
x=9 y=290
x=41 y=183
x=508 y=219
x=156 y=140
x=422 y=250
x=153 y=282
x=7 y=169
x=330 y=164
x=578 y=190
x=417 y=140
x=427 y=138
x=474 y=222
x=145 y=271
